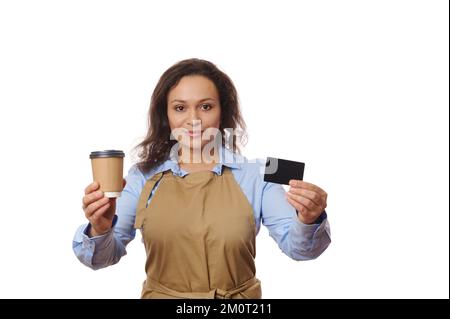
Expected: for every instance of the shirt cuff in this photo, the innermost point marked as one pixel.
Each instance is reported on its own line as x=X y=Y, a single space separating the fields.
x=319 y=219
x=88 y=228
x=309 y=231
x=101 y=241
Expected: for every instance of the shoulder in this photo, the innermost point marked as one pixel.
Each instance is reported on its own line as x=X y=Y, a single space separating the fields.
x=136 y=178
x=251 y=174
x=253 y=167
x=249 y=170
x=136 y=172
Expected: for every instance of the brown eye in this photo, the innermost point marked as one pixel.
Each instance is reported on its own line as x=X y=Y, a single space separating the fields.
x=179 y=108
x=206 y=107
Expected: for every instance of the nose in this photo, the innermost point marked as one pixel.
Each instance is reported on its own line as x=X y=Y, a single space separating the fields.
x=194 y=119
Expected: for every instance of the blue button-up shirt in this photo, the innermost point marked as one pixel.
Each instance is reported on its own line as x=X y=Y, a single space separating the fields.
x=270 y=207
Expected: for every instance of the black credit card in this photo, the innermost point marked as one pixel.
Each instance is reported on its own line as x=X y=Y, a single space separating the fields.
x=281 y=171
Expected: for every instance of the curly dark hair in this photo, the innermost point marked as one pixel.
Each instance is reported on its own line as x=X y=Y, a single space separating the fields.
x=156 y=146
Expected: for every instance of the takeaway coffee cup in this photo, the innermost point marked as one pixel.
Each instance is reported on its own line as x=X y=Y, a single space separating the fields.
x=107 y=170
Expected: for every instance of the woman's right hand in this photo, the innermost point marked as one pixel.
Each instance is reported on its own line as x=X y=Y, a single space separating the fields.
x=98 y=209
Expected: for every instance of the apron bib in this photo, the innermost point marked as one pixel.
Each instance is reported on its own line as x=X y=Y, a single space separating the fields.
x=199 y=235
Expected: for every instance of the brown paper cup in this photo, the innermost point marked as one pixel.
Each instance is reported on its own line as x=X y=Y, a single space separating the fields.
x=107 y=170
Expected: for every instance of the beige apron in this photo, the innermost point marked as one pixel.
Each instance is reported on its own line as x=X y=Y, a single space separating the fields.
x=199 y=235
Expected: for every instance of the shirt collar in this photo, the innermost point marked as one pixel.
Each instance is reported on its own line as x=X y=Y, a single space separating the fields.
x=227 y=158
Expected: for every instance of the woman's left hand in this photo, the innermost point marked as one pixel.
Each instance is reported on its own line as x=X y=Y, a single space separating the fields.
x=308 y=199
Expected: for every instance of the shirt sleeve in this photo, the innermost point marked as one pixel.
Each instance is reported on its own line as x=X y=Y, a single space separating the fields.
x=297 y=240
x=107 y=249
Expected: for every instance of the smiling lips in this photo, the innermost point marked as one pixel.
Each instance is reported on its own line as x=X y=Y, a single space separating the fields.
x=195 y=133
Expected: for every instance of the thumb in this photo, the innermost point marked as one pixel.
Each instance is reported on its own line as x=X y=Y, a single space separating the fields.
x=124 y=182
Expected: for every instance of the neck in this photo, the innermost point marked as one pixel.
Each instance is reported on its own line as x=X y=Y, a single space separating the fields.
x=192 y=157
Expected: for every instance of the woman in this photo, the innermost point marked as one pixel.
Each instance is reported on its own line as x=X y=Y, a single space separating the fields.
x=198 y=202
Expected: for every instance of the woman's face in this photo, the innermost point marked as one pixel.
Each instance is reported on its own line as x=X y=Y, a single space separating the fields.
x=193 y=106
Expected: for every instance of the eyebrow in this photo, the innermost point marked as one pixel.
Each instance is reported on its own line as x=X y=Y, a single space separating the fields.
x=202 y=100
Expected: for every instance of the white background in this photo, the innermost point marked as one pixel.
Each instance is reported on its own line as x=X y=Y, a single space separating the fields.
x=356 y=89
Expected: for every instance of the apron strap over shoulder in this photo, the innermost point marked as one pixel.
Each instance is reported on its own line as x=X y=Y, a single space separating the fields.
x=143 y=199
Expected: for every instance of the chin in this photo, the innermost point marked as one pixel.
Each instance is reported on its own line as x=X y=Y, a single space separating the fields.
x=192 y=146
